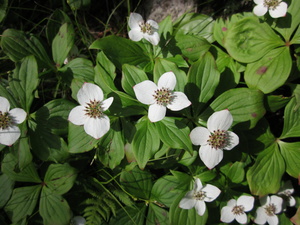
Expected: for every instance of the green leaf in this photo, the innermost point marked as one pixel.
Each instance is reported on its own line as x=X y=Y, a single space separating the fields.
x=271 y=71
x=79 y=4
x=196 y=24
x=174 y=134
x=28 y=174
x=157 y=215
x=3 y=8
x=125 y=51
x=244 y=41
x=24 y=154
x=236 y=172
x=129 y=215
x=17 y=46
x=180 y=216
x=54 y=209
x=131 y=75
x=245 y=105
x=291 y=126
x=193 y=47
x=291 y=155
x=63 y=43
x=25 y=81
x=60 y=178
x=6 y=188
x=265 y=175
x=276 y=102
x=203 y=78
x=162 y=66
x=22 y=202
x=145 y=142
x=137 y=182
x=165 y=28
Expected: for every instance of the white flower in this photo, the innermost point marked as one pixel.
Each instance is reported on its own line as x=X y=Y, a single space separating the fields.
x=286 y=192
x=161 y=96
x=9 y=132
x=266 y=213
x=140 y=29
x=236 y=209
x=215 y=138
x=276 y=8
x=90 y=111
x=198 y=196
x=78 y=220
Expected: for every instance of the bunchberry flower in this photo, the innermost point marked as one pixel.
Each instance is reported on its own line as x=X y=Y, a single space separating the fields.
x=161 y=96
x=236 y=209
x=276 y=8
x=9 y=131
x=90 y=111
x=285 y=193
x=215 y=138
x=267 y=212
x=140 y=29
x=198 y=196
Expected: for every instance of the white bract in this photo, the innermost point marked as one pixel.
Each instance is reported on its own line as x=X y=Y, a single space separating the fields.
x=286 y=192
x=215 y=138
x=267 y=212
x=139 y=29
x=276 y=8
x=78 y=220
x=161 y=96
x=90 y=111
x=236 y=209
x=198 y=196
x=9 y=131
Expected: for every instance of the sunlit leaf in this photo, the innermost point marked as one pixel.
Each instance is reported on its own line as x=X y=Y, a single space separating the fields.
x=291 y=155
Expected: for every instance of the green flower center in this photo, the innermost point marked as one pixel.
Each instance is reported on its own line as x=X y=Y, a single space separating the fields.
x=146 y=28
x=272 y=4
x=94 y=109
x=163 y=96
x=218 y=139
x=270 y=209
x=5 y=120
x=238 y=210
x=200 y=195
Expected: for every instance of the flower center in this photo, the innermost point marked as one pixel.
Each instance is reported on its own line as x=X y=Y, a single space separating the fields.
x=218 y=139
x=93 y=109
x=272 y=4
x=270 y=209
x=5 y=120
x=200 y=195
x=238 y=210
x=145 y=28
x=163 y=96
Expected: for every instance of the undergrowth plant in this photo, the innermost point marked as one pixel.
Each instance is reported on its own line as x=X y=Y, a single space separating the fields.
x=187 y=121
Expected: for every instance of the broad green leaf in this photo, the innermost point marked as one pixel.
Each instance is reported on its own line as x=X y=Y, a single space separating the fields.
x=276 y=102
x=3 y=8
x=174 y=133
x=180 y=216
x=22 y=202
x=271 y=71
x=244 y=41
x=165 y=28
x=137 y=182
x=236 y=172
x=24 y=154
x=17 y=46
x=157 y=215
x=245 y=105
x=131 y=75
x=79 y=4
x=25 y=81
x=291 y=154
x=296 y=37
x=10 y=168
x=291 y=127
x=54 y=209
x=121 y=51
x=129 y=215
x=110 y=149
x=6 y=188
x=63 y=43
x=265 y=175
x=203 y=78
x=195 y=24
x=60 y=178
x=162 y=66
x=145 y=142
x=79 y=141
x=193 y=47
